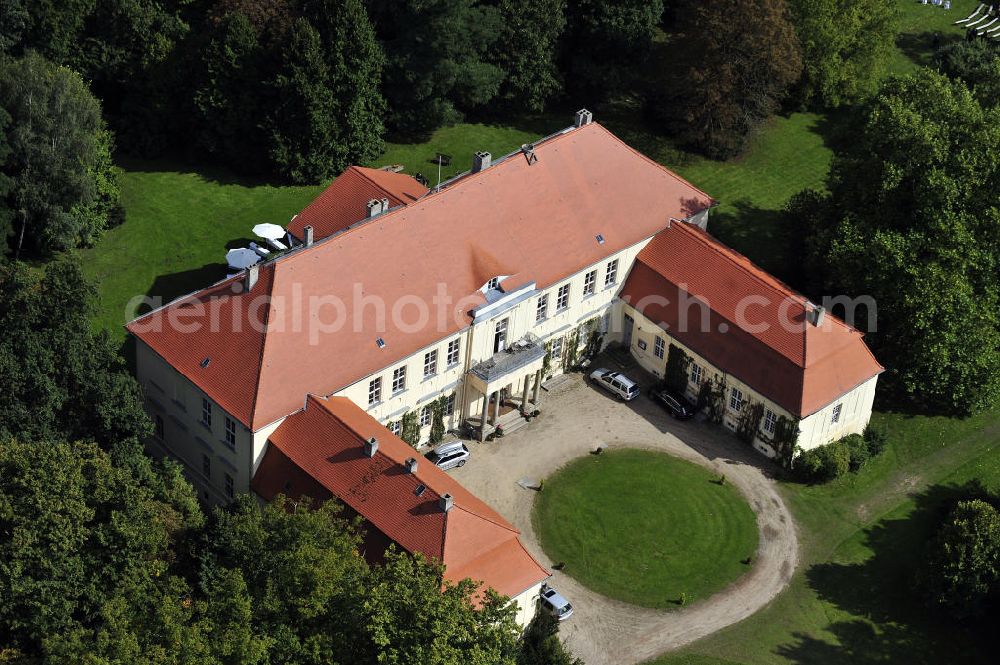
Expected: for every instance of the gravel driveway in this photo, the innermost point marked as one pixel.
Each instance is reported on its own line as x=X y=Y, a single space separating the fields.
x=576 y=418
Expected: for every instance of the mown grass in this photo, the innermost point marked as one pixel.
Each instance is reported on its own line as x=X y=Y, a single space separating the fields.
x=857 y=598
x=645 y=527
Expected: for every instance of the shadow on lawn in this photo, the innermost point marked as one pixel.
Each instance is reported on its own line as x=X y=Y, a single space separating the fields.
x=168 y=287
x=918 y=47
x=885 y=590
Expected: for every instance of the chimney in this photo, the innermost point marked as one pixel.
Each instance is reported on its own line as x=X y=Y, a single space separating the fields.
x=385 y=205
x=446 y=502
x=307 y=232
x=411 y=465
x=814 y=314
x=480 y=161
x=253 y=272
x=583 y=117
x=371 y=447
x=375 y=207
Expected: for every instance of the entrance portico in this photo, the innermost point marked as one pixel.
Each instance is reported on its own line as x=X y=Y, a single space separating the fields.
x=519 y=366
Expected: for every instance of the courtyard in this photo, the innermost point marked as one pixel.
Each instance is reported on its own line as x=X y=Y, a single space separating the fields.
x=576 y=419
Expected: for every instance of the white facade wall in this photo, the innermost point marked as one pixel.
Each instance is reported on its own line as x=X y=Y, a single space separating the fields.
x=527 y=605
x=814 y=430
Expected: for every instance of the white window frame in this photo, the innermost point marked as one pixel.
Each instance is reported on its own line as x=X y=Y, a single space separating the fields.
x=659 y=347
x=589 y=283
x=375 y=391
x=454 y=349
x=230 y=432
x=395 y=427
x=206 y=412
x=770 y=421
x=493 y=284
x=562 y=298
x=430 y=363
x=542 y=308
x=426 y=415
x=399 y=379
x=449 y=405
x=736 y=400
x=230 y=486
x=611 y=273
x=557 y=349
x=696 y=374
x=835 y=414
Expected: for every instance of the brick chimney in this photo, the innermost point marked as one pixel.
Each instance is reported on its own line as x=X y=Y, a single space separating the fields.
x=371 y=447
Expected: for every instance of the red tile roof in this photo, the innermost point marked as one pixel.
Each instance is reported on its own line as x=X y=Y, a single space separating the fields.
x=799 y=366
x=537 y=221
x=345 y=200
x=320 y=452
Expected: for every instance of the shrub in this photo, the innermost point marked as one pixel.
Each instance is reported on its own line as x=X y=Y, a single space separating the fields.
x=963 y=559
x=876 y=438
x=857 y=450
x=824 y=463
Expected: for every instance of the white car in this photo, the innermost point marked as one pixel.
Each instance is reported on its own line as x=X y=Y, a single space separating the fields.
x=616 y=383
x=553 y=603
x=449 y=455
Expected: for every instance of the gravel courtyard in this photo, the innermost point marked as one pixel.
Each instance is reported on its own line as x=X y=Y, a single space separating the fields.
x=576 y=418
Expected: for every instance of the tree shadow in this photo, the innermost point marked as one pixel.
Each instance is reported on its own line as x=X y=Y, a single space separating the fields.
x=764 y=236
x=208 y=172
x=919 y=47
x=897 y=625
x=166 y=288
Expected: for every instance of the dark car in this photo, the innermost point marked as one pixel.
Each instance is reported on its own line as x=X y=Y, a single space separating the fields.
x=676 y=404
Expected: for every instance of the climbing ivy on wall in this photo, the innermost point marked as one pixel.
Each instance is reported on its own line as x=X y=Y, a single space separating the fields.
x=711 y=398
x=749 y=422
x=437 y=422
x=594 y=339
x=572 y=350
x=678 y=365
x=410 y=428
x=785 y=440
x=547 y=360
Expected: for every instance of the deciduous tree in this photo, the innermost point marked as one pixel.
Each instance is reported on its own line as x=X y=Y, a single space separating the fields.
x=527 y=52
x=737 y=59
x=963 y=563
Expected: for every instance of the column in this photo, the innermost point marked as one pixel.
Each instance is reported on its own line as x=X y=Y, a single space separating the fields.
x=524 y=394
x=482 y=418
x=496 y=408
x=538 y=386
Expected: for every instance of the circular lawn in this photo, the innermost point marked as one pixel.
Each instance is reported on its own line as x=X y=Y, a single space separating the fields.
x=645 y=527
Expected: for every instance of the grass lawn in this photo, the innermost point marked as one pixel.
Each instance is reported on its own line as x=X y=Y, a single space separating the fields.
x=645 y=527
x=855 y=597
x=917 y=25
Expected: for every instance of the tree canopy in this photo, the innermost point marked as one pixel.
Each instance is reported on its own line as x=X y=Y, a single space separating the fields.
x=737 y=59
x=963 y=562
x=845 y=47
x=911 y=221
x=61 y=187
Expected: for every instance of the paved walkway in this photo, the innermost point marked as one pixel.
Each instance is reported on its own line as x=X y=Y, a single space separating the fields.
x=576 y=419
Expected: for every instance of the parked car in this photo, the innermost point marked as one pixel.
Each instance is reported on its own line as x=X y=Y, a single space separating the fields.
x=676 y=404
x=449 y=455
x=553 y=603
x=616 y=383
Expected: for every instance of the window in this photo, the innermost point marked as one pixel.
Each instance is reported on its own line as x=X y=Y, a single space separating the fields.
x=562 y=298
x=835 y=416
x=431 y=363
x=230 y=433
x=736 y=399
x=206 y=466
x=206 y=412
x=500 y=336
x=375 y=391
x=493 y=283
x=557 y=349
x=453 y=352
x=395 y=427
x=611 y=273
x=230 y=488
x=770 y=420
x=658 y=347
x=589 y=282
x=399 y=379
x=696 y=374
x=158 y=430
x=425 y=416
x=542 y=308
x=449 y=405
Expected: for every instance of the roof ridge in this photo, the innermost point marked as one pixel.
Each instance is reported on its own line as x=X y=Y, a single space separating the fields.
x=263 y=346
x=357 y=169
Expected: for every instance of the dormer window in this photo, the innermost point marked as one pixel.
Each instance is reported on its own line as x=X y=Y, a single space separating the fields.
x=493 y=284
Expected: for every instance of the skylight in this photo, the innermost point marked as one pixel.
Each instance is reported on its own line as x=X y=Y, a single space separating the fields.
x=600 y=239
x=380 y=343
x=204 y=363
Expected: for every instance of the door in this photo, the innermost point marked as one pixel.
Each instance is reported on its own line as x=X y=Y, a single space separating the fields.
x=500 y=336
x=627 y=324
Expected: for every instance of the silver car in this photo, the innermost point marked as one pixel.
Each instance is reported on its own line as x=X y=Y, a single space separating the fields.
x=553 y=603
x=449 y=455
x=616 y=383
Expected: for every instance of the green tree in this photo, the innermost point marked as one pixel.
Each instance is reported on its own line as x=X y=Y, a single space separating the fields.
x=606 y=42
x=408 y=618
x=845 y=47
x=88 y=553
x=438 y=61
x=59 y=378
x=963 y=562
x=541 y=646
x=737 y=59
x=437 y=422
x=52 y=27
x=527 y=51
x=911 y=222
x=62 y=184
x=676 y=372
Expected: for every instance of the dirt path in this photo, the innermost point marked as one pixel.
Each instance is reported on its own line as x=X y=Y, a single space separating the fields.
x=575 y=420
